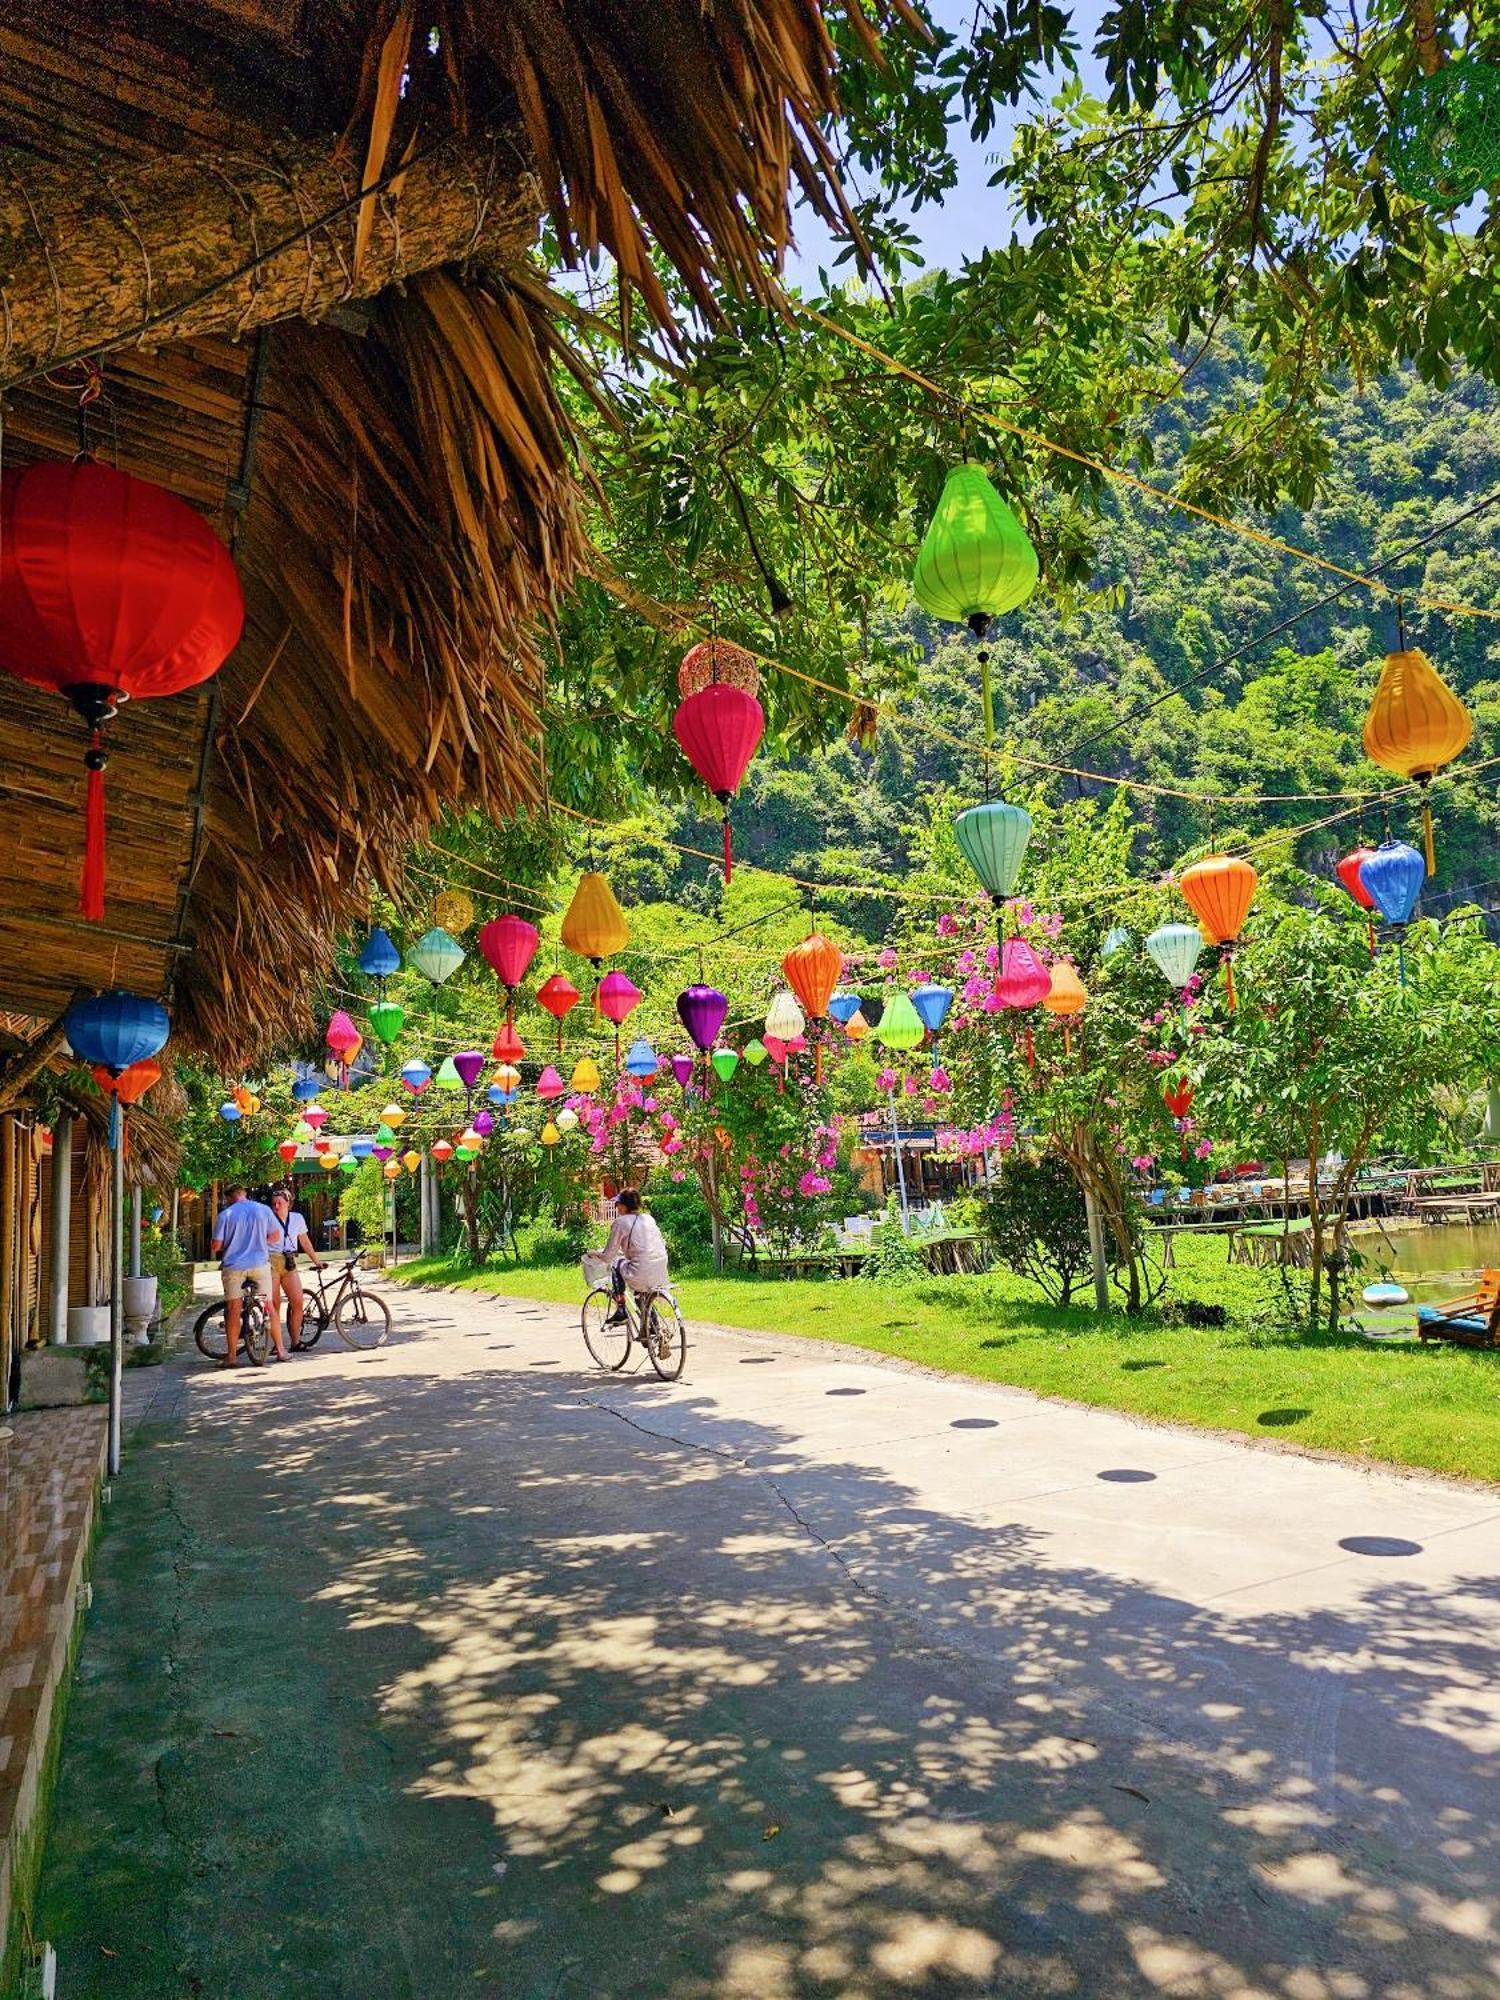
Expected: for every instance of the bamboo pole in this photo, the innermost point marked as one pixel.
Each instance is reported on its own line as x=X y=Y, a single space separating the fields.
x=217 y=243
x=116 y=1291
x=61 y=1220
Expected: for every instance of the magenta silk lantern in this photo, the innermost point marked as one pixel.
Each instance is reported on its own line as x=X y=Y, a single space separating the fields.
x=469 y=1064
x=549 y=1083
x=484 y=1123
x=382 y=1153
x=342 y=1034
x=719 y=729
x=701 y=1010
x=682 y=1069
x=617 y=997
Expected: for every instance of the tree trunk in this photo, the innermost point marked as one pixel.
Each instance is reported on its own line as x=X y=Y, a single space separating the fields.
x=101 y=257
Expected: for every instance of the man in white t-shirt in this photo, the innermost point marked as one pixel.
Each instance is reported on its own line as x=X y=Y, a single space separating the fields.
x=290 y=1242
x=637 y=1252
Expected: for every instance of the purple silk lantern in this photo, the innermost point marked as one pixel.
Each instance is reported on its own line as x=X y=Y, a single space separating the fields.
x=470 y=1066
x=484 y=1123
x=701 y=1010
x=382 y=1153
x=682 y=1069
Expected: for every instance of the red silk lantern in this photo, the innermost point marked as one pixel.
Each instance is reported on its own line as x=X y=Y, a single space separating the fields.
x=1219 y=892
x=111 y=589
x=719 y=729
x=509 y=943
x=1177 y=1095
x=288 y=1150
x=559 y=996
x=441 y=1151
x=1348 y=873
x=507 y=1047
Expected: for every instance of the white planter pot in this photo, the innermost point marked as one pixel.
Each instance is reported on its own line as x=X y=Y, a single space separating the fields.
x=140 y=1308
x=88 y=1326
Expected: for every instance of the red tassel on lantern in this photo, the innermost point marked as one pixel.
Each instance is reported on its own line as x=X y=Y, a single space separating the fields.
x=110 y=587
x=719 y=730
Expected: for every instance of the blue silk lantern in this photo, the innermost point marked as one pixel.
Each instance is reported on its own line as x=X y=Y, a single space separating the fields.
x=306 y=1088
x=230 y=1112
x=416 y=1075
x=843 y=1007
x=113 y=1030
x=380 y=958
x=1392 y=878
x=361 y=1148
x=640 y=1059
x=932 y=1004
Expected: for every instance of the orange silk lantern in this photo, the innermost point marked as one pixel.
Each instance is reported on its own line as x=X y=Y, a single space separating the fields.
x=131 y=1085
x=1065 y=999
x=1219 y=892
x=1415 y=726
x=813 y=969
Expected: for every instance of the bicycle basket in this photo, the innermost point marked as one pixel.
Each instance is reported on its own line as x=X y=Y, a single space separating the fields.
x=596 y=1269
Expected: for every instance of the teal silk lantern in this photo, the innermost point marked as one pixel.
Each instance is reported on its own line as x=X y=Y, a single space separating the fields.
x=993 y=838
x=437 y=956
x=1174 y=950
x=1115 y=940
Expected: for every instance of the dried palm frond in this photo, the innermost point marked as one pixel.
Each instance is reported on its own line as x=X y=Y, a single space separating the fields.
x=416 y=517
x=673 y=123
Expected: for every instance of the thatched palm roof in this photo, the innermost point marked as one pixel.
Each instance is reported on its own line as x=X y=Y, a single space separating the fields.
x=389 y=460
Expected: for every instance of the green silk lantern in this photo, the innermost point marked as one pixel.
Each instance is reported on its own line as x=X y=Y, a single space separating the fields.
x=463 y=1152
x=900 y=1025
x=755 y=1053
x=993 y=838
x=976 y=560
x=448 y=1077
x=725 y=1062
x=387 y=1020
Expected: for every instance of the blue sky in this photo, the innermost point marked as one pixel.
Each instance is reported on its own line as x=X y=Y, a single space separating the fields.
x=974 y=215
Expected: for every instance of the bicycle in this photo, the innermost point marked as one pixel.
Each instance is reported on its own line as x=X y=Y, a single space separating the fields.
x=361 y=1319
x=652 y=1318
x=212 y=1335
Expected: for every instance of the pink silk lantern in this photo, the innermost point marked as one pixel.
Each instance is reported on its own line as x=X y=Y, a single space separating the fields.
x=550 y=1084
x=617 y=998
x=719 y=731
x=509 y=945
x=1024 y=982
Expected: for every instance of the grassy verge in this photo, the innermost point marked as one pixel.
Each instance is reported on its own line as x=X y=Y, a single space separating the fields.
x=1433 y=1407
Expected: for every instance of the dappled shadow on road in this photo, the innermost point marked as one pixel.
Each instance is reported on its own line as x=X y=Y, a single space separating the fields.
x=737 y=1733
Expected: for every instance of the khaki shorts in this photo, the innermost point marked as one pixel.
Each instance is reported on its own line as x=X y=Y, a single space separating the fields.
x=283 y=1261
x=232 y=1280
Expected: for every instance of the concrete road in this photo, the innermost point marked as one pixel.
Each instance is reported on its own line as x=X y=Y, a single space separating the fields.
x=462 y=1669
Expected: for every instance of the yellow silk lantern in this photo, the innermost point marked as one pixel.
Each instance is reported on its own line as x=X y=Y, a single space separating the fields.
x=585 y=1078
x=594 y=924
x=411 y=1160
x=393 y=1115
x=1065 y=999
x=508 y=1077
x=549 y=1134
x=328 y=1160
x=1415 y=726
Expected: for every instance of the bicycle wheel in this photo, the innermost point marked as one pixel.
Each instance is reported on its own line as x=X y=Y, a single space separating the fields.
x=209 y=1331
x=609 y=1345
x=666 y=1337
x=361 y=1319
x=313 y=1322
x=255 y=1328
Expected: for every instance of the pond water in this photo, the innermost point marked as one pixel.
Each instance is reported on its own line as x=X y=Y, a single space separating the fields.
x=1433 y=1260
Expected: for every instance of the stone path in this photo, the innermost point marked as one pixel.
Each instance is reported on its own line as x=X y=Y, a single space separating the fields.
x=461 y=1668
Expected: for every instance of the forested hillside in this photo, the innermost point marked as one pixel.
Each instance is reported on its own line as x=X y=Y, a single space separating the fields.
x=1081 y=682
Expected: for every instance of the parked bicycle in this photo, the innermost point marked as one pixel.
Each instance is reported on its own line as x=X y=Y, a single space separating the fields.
x=652 y=1319
x=360 y=1318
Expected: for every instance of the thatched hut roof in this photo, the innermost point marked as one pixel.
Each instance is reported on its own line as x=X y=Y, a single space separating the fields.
x=357 y=390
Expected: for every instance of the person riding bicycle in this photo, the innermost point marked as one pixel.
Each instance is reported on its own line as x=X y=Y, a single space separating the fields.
x=636 y=1251
x=291 y=1240
x=244 y=1232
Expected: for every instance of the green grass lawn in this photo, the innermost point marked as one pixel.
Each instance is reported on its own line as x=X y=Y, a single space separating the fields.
x=1437 y=1407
